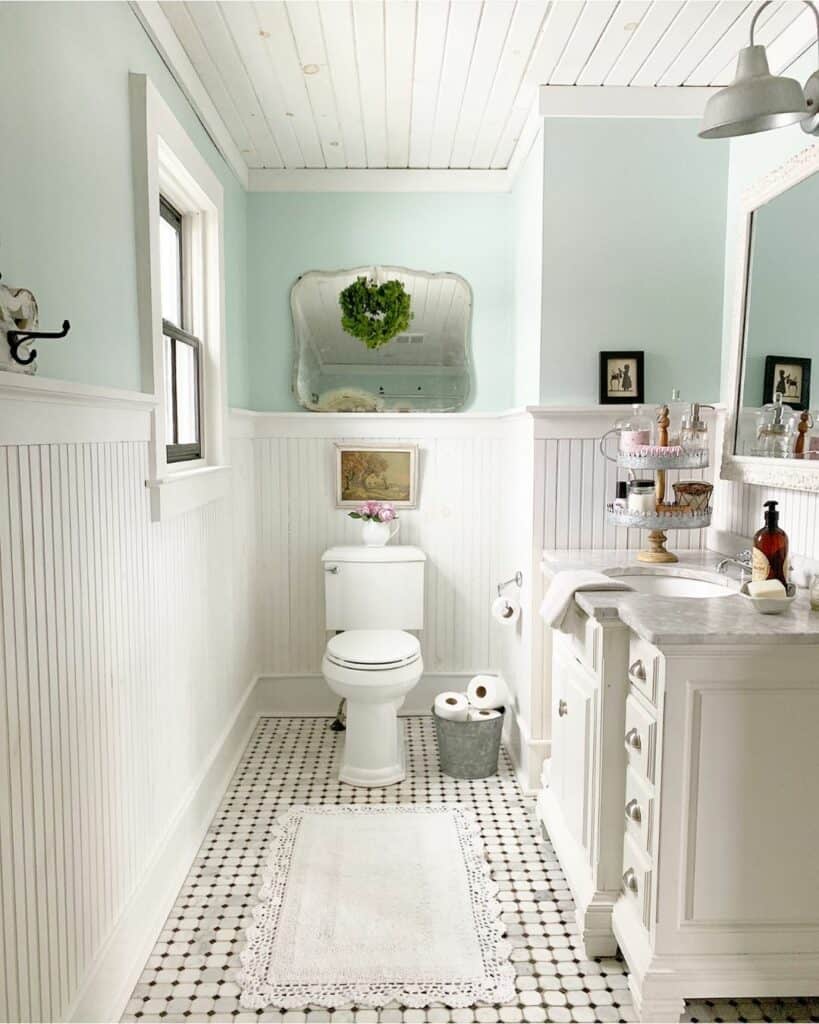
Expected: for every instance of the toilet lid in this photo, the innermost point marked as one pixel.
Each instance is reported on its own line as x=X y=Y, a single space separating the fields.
x=373 y=648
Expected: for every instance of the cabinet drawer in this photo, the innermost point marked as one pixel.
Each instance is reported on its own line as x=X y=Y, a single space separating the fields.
x=641 y=738
x=636 y=884
x=644 y=667
x=639 y=811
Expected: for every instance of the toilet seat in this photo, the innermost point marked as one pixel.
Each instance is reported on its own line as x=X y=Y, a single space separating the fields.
x=373 y=650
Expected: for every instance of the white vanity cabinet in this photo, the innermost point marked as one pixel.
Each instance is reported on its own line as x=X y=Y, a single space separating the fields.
x=581 y=804
x=720 y=884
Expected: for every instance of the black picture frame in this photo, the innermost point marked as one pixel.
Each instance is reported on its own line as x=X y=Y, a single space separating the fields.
x=634 y=394
x=773 y=366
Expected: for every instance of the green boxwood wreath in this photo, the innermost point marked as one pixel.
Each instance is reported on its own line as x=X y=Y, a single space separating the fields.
x=374 y=313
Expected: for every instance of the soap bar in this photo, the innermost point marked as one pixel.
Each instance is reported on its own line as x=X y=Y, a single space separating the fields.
x=766 y=588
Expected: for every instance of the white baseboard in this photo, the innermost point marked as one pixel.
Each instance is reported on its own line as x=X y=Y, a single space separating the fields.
x=307 y=695
x=528 y=754
x=117 y=967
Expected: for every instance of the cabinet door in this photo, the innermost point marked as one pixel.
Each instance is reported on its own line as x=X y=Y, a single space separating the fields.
x=573 y=742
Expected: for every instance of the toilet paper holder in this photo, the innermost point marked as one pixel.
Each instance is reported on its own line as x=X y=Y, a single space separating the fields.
x=516 y=579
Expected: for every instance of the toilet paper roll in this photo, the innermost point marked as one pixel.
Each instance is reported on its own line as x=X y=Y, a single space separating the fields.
x=505 y=610
x=486 y=692
x=481 y=714
x=454 y=706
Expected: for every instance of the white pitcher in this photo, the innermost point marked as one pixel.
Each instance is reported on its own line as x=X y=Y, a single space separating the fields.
x=376 y=535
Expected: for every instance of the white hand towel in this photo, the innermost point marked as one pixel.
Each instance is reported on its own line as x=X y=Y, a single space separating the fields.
x=560 y=595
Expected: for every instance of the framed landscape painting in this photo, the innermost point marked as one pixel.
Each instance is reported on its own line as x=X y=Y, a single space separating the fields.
x=376 y=473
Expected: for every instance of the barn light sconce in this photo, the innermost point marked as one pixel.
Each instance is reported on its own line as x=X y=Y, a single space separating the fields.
x=757 y=101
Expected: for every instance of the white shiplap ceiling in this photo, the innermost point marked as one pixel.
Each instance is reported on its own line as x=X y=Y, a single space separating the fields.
x=446 y=83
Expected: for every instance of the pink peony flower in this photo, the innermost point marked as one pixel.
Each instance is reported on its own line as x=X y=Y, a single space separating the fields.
x=386 y=514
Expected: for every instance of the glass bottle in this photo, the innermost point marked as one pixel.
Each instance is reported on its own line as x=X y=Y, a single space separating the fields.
x=676 y=411
x=770 y=550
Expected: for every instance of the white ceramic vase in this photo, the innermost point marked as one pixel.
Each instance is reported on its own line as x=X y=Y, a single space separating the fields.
x=376 y=535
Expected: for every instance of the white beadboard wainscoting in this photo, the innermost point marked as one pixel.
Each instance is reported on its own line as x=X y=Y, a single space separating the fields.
x=127 y=655
x=742 y=513
x=136 y=654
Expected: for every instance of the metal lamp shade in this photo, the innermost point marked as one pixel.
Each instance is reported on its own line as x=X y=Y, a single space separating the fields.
x=755 y=101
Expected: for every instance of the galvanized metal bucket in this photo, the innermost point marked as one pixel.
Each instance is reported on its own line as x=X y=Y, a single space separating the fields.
x=469 y=750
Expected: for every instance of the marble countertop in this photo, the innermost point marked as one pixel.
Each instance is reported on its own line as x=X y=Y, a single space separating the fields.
x=666 y=621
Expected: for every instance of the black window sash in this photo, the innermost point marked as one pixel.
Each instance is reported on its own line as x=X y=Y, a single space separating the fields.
x=176 y=452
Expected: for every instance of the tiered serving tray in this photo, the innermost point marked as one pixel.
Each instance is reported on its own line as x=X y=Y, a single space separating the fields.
x=658 y=523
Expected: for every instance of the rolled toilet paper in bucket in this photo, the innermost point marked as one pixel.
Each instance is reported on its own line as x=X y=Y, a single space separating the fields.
x=486 y=692
x=453 y=706
x=481 y=714
x=505 y=610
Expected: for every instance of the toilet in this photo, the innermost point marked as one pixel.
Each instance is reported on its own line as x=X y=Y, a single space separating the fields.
x=372 y=597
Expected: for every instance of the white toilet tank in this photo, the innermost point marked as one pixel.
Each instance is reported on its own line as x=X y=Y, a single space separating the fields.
x=374 y=588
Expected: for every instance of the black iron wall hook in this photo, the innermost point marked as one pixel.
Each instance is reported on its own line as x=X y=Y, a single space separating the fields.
x=18 y=338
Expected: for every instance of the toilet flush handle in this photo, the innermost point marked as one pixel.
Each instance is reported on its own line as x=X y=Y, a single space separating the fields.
x=331 y=568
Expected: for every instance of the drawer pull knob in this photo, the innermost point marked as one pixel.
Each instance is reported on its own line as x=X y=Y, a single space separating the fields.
x=633 y=811
x=630 y=880
x=633 y=740
x=562 y=708
x=638 y=671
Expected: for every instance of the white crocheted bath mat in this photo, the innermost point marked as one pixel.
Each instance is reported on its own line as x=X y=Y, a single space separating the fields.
x=366 y=904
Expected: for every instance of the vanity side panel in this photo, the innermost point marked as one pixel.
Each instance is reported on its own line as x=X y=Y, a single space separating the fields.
x=737 y=865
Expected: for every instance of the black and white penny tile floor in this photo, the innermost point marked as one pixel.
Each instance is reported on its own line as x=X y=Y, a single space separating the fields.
x=189 y=975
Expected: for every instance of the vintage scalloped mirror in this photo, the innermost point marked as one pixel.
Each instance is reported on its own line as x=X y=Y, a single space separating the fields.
x=772 y=427
x=425 y=368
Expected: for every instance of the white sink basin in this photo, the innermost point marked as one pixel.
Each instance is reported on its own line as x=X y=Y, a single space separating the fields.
x=667 y=584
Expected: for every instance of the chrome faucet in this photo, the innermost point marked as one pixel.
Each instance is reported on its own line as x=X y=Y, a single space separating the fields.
x=742 y=559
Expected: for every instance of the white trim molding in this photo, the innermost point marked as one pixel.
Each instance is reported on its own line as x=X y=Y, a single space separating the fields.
x=685 y=101
x=378 y=180
x=789 y=474
x=166 y=162
x=167 y=45
x=41 y=410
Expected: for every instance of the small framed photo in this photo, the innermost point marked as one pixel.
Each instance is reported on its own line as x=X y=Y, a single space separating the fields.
x=621 y=378
x=788 y=376
x=377 y=473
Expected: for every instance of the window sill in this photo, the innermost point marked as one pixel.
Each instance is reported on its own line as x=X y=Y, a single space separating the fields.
x=185 y=490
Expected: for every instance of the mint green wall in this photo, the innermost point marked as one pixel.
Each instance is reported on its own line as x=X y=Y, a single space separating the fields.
x=66 y=191
x=782 y=306
x=289 y=233
x=634 y=225
x=527 y=214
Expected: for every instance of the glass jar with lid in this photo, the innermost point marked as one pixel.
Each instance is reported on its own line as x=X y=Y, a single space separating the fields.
x=634 y=431
x=642 y=496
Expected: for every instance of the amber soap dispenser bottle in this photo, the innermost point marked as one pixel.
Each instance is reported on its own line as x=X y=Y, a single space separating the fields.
x=770 y=554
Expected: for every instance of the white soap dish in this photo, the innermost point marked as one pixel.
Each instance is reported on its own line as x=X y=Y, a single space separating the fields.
x=771 y=605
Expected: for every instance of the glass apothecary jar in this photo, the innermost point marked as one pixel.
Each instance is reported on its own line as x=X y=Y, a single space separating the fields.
x=634 y=431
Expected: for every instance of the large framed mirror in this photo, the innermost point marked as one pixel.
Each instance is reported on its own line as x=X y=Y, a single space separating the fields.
x=381 y=339
x=772 y=427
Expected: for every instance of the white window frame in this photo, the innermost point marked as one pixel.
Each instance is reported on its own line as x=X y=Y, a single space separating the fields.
x=166 y=162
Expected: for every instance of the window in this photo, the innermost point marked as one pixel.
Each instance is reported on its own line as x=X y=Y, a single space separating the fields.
x=182 y=351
